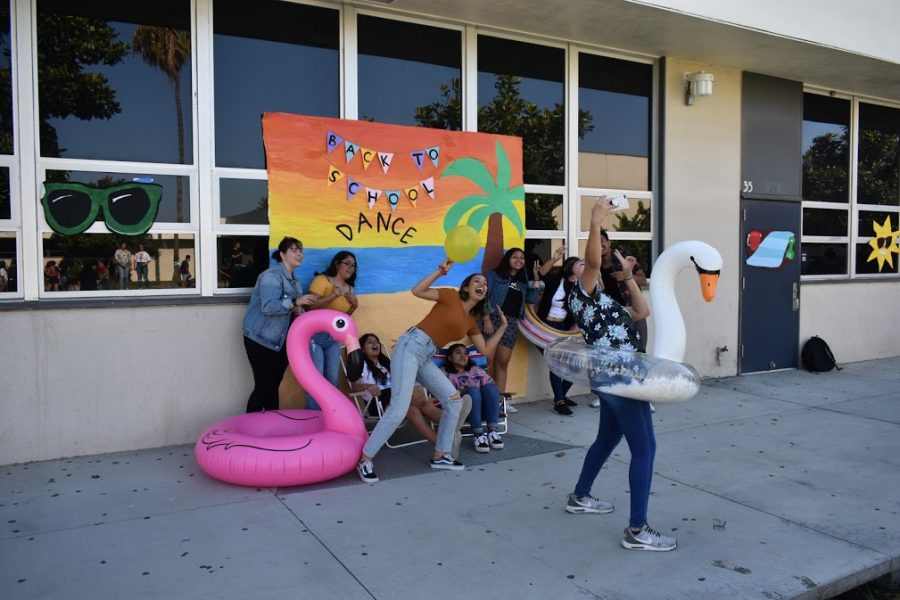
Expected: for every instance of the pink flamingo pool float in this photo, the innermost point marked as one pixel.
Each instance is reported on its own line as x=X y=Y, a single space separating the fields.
x=293 y=447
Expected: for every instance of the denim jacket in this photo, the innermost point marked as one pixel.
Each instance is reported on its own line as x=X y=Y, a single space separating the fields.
x=269 y=312
x=497 y=288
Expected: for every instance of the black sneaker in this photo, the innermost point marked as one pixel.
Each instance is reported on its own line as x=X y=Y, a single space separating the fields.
x=366 y=471
x=562 y=409
x=569 y=402
x=447 y=462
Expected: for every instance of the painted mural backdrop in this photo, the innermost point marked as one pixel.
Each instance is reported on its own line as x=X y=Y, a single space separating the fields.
x=390 y=194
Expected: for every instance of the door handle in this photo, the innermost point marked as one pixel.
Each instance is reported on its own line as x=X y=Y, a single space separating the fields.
x=795 y=296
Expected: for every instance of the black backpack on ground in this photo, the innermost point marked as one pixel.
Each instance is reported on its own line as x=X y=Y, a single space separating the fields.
x=817 y=356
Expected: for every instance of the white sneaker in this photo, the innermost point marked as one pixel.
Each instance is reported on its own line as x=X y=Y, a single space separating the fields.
x=495 y=440
x=366 y=471
x=480 y=443
x=647 y=539
x=511 y=408
x=595 y=403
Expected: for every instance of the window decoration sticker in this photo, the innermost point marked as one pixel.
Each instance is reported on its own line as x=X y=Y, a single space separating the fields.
x=771 y=250
x=128 y=208
x=884 y=244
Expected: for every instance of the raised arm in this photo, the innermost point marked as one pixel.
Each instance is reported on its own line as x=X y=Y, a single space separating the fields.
x=639 y=308
x=424 y=290
x=590 y=279
x=489 y=346
x=557 y=256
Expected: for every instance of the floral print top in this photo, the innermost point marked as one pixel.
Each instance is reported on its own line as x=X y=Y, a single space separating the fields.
x=603 y=321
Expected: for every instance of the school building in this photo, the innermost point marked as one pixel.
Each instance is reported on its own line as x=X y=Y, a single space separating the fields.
x=770 y=130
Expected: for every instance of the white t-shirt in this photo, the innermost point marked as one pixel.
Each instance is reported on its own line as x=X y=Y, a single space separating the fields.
x=142 y=257
x=367 y=378
x=557 y=304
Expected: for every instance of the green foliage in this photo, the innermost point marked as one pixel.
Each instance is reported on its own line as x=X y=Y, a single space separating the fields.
x=639 y=222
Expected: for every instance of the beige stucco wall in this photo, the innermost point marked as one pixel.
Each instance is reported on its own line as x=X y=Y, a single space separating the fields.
x=701 y=182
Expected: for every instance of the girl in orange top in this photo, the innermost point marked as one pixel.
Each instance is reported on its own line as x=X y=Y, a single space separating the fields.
x=335 y=288
x=451 y=318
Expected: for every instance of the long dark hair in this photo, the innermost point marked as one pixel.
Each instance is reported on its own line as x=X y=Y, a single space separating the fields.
x=284 y=245
x=338 y=258
x=450 y=367
x=480 y=309
x=379 y=375
x=503 y=268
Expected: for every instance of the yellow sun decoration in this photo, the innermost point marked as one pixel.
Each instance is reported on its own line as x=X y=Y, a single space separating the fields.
x=883 y=244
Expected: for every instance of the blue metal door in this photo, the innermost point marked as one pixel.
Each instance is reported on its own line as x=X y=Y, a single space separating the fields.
x=770 y=285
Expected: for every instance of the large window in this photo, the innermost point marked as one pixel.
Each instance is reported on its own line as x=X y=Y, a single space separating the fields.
x=407 y=83
x=115 y=80
x=271 y=57
x=615 y=99
x=849 y=229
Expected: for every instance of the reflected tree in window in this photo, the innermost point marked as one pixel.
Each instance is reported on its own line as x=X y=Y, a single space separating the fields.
x=168 y=50
x=543 y=154
x=878 y=168
x=66 y=45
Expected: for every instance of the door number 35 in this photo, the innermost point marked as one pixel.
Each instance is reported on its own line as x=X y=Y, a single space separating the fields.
x=748 y=187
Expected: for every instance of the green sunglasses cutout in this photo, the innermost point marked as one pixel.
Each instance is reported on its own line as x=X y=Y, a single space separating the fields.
x=128 y=208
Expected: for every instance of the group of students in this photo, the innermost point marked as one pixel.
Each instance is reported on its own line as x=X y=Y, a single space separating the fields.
x=577 y=297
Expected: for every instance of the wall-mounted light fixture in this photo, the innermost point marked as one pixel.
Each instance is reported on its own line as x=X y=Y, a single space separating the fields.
x=697 y=84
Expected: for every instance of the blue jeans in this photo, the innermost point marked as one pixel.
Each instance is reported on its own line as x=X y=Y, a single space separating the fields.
x=486 y=404
x=632 y=418
x=559 y=385
x=412 y=362
x=123 y=275
x=326 y=355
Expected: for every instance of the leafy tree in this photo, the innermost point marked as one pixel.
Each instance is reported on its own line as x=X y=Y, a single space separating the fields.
x=878 y=168
x=639 y=249
x=66 y=45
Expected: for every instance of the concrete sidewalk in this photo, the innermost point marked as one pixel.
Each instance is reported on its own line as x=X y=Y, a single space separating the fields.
x=783 y=485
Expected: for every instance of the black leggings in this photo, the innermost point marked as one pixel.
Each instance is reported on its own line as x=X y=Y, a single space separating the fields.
x=268 y=370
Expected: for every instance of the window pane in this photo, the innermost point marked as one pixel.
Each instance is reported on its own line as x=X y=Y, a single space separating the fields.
x=872 y=261
x=635 y=218
x=5 y=198
x=241 y=258
x=174 y=206
x=826 y=155
x=87 y=262
x=114 y=80
x=407 y=83
x=869 y=222
x=6 y=90
x=821 y=221
x=544 y=211
x=878 y=165
x=521 y=92
x=8 y=262
x=823 y=259
x=540 y=250
x=614 y=123
x=273 y=57
x=244 y=201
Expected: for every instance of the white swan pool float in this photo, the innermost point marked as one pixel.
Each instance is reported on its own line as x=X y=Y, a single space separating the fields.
x=660 y=377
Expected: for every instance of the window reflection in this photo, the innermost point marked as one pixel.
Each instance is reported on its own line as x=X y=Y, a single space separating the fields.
x=521 y=92
x=174 y=206
x=5 y=198
x=826 y=155
x=635 y=218
x=544 y=211
x=6 y=116
x=244 y=201
x=822 y=221
x=8 y=262
x=615 y=110
x=90 y=262
x=275 y=57
x=406 y=83
x=878 y=162
x=823 y=259
x=241 y=258
x=114 y=80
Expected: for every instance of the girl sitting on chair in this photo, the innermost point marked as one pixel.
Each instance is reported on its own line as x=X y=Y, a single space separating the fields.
x=375 y=381
x=471 y=379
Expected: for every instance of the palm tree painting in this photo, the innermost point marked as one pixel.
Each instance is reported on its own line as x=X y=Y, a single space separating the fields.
x=498 y=201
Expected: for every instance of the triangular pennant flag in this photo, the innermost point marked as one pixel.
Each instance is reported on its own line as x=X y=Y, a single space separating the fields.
x=393 y=198
x=384 y=159
x=413 y=195
x=372 y=196
x=352 y=187
x=434 y=153
x=418 y=157
x=367 y=156
x=428 y=185
x=334 y=175
x=332 y=140
x=351 y=150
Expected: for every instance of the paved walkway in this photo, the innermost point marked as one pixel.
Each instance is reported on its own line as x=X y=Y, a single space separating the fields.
x=784 y=485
